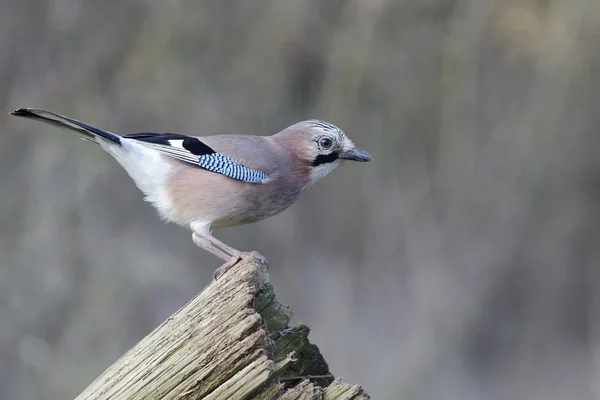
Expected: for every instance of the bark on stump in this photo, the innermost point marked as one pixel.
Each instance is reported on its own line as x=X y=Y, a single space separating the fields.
x=232 y=341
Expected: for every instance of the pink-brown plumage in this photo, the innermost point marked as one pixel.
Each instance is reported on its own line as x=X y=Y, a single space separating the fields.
x=200 y=195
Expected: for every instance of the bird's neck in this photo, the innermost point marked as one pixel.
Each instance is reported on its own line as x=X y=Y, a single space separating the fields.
x=293 y=161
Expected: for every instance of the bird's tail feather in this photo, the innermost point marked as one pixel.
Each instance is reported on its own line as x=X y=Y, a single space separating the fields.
x=86 y=131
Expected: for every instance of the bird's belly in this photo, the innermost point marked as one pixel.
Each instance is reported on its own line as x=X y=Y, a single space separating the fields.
x=200 y=195
x=254 y=211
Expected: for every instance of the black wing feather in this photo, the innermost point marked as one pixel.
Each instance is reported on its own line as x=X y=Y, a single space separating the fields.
x=191 y=144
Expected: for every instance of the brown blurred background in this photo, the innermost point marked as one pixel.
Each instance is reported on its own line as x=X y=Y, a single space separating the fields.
x=463 y=263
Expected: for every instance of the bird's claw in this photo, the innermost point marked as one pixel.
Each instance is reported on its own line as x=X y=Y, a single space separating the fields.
x=225 y=267
x=235 y=258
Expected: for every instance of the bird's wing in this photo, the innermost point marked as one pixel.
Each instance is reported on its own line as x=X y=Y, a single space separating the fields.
x=193 y=151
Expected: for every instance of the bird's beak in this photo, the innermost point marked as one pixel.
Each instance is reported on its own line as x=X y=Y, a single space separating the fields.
x=355 y=154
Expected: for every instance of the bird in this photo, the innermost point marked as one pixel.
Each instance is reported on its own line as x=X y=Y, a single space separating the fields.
x=210 y=182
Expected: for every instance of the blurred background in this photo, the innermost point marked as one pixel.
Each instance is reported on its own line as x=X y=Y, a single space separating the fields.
x=463 y=263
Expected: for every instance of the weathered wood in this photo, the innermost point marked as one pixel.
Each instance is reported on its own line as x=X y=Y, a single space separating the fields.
x=232 y=341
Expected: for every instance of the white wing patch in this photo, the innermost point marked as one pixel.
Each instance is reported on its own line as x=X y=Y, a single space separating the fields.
x=176 y=143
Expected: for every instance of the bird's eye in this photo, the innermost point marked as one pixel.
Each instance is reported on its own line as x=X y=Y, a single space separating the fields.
x=325 y=143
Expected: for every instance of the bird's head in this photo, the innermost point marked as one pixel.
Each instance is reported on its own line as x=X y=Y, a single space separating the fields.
x=320 y=147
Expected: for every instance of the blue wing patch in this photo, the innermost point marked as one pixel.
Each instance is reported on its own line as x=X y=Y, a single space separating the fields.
x=224 y=165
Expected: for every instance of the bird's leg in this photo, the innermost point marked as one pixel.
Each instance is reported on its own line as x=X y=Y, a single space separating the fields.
x=222 y=246
x=202 y=231
x=203 y=239
x=203 y=242
x=235 y=254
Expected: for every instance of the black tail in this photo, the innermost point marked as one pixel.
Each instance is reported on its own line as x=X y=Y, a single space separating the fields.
x=86 y=131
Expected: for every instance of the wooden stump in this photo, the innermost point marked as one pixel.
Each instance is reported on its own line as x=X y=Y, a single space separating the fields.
x=232 y=341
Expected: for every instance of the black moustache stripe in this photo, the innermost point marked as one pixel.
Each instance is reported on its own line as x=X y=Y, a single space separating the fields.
x=325 y=159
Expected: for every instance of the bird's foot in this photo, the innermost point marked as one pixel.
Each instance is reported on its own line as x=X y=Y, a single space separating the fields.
x=225 y=267
x=237 y=256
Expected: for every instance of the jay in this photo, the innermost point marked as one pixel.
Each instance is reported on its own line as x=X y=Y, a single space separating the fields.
x=210 y=182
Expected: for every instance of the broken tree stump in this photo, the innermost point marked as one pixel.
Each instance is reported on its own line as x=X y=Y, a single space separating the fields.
x=232 y=341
